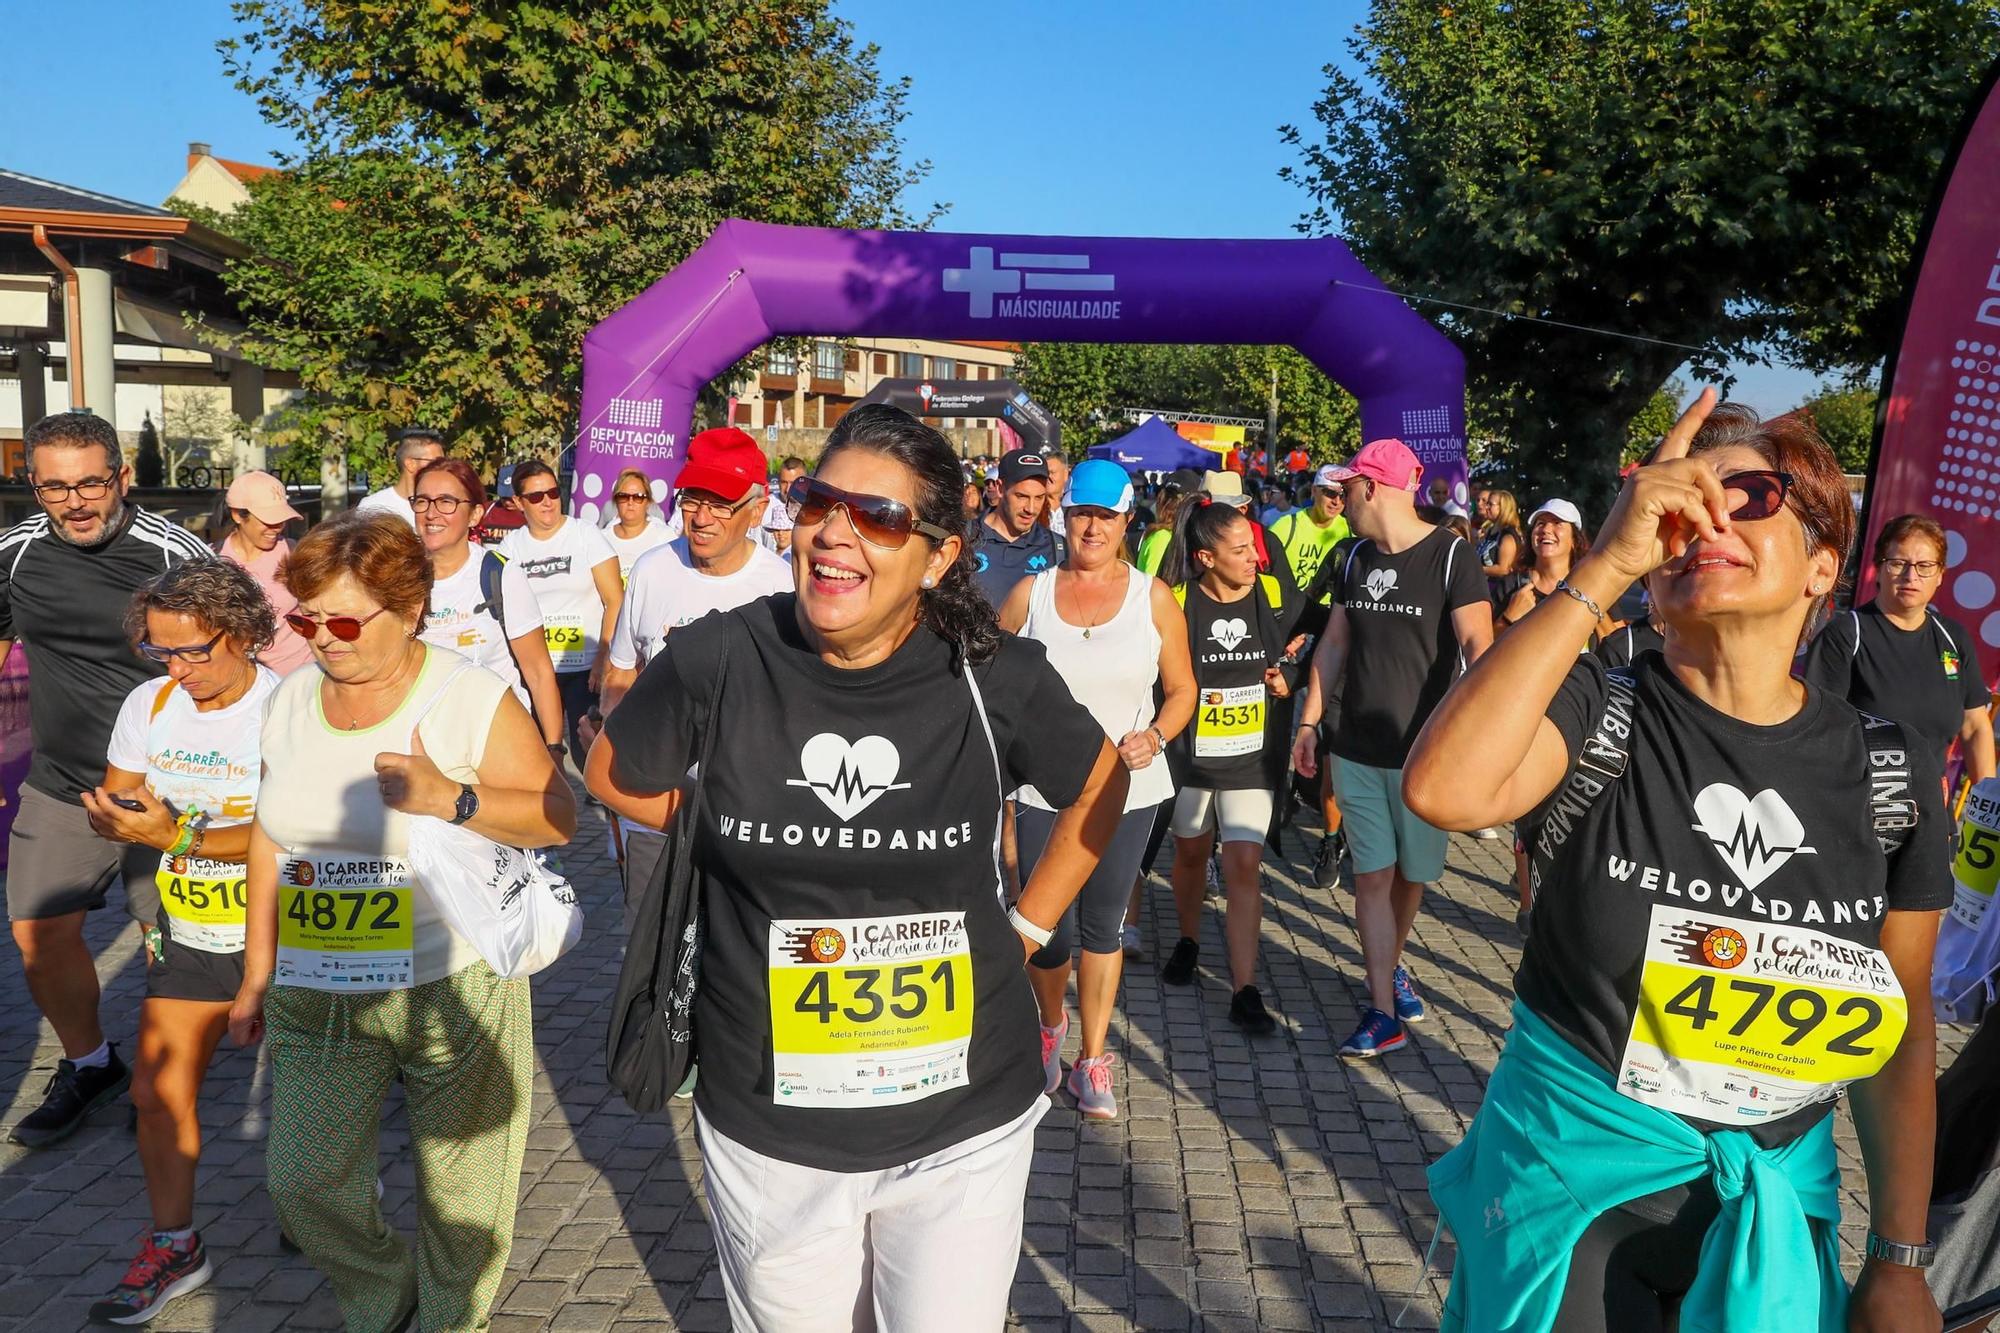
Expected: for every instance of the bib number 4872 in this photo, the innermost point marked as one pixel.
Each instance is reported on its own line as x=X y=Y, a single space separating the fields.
x=346 y=911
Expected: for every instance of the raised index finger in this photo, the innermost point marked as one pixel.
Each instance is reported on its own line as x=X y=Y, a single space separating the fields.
x=1682 y=435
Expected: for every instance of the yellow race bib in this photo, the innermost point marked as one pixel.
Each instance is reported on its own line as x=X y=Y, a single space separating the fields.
x=875 y=1011
x=1229 y=722
x=1740 y=1021
x=564 y=635
x=205 y=902
x=1977 y=866
x=345 y=923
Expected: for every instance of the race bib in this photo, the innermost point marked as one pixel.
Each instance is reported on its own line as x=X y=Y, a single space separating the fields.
x=869 y=1012
x=564 y=634
x=1742 y=1021
x=1229 y=722
x=345 y=924
x=1977 y=866
x=204 y=901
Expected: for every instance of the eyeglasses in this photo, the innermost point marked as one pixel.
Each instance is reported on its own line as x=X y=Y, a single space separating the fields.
x=629 y=498
x=540 y=497
x=877 y=520
x=193 y=656
x=1763 y=493
x=1923 y=569
x=345 y=628
x=55 y=492
x=690 y=503
x=444 y=504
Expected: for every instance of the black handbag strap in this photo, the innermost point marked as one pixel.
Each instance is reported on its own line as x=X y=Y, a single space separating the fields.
x=679 y=868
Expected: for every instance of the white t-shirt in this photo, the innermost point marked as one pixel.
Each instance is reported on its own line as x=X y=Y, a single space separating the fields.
x=388 y=502
x=666 y=591
x=560 y=571
x=629 y=549
x=460 y=620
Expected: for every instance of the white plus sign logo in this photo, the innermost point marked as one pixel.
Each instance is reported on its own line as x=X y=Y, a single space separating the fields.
x=983 y=278
x=983 y=281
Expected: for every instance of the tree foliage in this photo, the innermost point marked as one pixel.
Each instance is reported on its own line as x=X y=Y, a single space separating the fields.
x=480 y=183
x=1844 y=415
x=1654 y=420
x=1729 y=176
x=1089 y=385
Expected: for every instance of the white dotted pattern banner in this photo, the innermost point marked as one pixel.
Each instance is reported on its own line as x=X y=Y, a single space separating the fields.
x=1968 y=481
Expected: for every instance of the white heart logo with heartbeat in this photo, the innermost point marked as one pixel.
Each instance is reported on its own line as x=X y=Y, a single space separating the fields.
x=848 y=777
x=1754 y=834
x=1380 y=583
x=1229 y=633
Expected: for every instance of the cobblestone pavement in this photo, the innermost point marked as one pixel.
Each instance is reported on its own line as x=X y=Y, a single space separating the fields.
x=1249 y=1184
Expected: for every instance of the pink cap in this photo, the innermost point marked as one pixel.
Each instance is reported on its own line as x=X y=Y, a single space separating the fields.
x=1386 y=461
x=263 y=495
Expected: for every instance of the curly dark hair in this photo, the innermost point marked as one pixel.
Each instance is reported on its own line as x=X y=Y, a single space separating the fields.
x=1200 y=527
x=956 y=610
x=218 y=594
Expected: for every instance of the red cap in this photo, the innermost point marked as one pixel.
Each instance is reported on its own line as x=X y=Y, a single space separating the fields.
x=1387 y=461
x=724 y=462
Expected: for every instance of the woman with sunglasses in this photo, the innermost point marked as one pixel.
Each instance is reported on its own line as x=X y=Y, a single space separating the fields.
x=256 y=512
x=637 y=527
x=179 y=789
x=869 y=1083
x=1738 y=878
x=347 y=959
x=1899 y=658
x=577 y=584
x=482 y=605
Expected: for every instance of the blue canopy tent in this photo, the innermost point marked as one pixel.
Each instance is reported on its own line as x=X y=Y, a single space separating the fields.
x=1155 y=446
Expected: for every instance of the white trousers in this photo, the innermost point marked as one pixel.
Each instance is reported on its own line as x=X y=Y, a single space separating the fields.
x=929 y=1245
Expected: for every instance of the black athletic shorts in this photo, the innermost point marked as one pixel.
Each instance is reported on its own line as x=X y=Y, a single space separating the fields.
x=182 y=973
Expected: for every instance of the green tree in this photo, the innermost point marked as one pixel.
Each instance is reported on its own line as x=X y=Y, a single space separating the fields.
x=1845 y=418
x=479 y=184
x=1726 y=176
x=1653 y=421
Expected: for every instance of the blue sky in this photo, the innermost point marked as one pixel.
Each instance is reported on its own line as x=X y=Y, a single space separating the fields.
x=1126 y=117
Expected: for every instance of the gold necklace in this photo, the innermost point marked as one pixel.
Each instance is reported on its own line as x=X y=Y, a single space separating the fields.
x=355 y=715
x=1082 y=613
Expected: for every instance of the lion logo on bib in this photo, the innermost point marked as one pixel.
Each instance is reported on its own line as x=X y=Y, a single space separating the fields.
x=1724 y=948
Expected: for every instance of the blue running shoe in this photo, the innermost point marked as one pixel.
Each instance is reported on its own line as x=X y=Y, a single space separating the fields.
x=1409 y=1004
x=1378 y=1035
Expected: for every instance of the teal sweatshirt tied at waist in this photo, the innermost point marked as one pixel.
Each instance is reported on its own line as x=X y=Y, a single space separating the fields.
x=1555 y=1145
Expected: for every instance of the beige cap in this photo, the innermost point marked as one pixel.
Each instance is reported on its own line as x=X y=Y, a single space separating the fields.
x=263 y=495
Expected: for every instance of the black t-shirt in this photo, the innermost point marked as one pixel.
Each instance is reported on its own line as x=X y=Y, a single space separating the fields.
x=1625 y=645
x=1402 y=650
x=863 y=1001
x=68 y=603
x=1925 y=678
x=1729 y=867
x=1237 y=721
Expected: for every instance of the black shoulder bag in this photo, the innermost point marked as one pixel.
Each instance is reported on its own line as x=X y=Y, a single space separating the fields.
x=649 y=1041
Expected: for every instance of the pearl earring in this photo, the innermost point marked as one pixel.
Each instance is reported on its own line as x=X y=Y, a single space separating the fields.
x=929 y=582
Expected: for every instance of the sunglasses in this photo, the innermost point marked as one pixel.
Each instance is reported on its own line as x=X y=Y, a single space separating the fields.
x=1763 y=493
x=627 y=497
x=539 y=497
x=193 y=656
x=876 y=519
x=345 y=628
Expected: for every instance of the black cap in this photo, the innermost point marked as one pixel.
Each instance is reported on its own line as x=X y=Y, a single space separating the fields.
x=1185 y=480
x=1023 y=465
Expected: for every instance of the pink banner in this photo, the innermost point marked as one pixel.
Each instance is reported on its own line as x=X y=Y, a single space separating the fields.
x=1939 y=451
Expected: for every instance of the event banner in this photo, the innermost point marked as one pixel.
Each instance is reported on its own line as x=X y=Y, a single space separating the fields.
x=750 y=282
x=1937 y=449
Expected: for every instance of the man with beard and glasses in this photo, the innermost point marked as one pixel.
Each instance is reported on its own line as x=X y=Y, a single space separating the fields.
x=67 y=576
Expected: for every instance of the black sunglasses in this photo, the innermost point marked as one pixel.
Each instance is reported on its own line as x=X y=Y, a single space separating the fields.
x=1763 y=493
x=877 y=520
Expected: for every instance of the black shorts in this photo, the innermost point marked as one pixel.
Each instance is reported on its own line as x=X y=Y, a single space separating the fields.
x=193 y=974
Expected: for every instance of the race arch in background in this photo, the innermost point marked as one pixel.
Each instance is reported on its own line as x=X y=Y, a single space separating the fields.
x=1003 y=400
x=1937 y=436
x=750 y=282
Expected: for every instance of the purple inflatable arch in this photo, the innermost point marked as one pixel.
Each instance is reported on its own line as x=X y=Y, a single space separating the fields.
x=750 y=282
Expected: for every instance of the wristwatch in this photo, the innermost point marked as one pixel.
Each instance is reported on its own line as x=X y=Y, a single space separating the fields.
x=1905 y=1256
x=1159 y=739
x=468 y=803
x=557 y=750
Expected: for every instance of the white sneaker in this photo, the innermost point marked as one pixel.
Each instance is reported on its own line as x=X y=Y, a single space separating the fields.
x=1486 y=834
x=1090 y=1084
x=1052 y=1042
x=1129 y=937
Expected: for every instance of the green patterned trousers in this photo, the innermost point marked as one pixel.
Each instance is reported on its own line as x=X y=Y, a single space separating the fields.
x=465 y=1048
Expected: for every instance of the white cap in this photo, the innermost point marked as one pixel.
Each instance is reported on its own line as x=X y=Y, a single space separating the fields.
x=1328 y=476
x=1561 y=509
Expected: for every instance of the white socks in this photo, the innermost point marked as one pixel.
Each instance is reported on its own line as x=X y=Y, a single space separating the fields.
x=97 y=1059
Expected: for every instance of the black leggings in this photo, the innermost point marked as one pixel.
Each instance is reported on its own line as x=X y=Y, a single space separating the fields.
x=1098 y=914
x=1635 y=1263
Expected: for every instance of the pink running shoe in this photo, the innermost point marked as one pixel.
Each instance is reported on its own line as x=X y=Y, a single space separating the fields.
x=1090 y=1084
x=1052 y=1040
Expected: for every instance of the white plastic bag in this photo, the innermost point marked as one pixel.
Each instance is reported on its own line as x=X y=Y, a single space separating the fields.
x=506 y=902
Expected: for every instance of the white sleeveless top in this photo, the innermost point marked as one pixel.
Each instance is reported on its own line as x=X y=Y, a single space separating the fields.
x=1111 y=673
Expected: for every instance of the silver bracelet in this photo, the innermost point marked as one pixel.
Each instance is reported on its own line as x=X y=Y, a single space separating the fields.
x=1039 y=934
x=1564 y=585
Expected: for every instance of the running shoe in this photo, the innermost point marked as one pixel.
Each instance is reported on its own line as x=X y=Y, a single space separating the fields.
x=72 y=1095
x=1409 y=1004
x=1052 y=1040
x=686 y=1089
x=1378 y=1034
x=1179 y=970
x=162 y=1271
x=1090 y=1084
x=1486 y=834
x=1326 y=862
x=1247 y=1011
x=1129 y=937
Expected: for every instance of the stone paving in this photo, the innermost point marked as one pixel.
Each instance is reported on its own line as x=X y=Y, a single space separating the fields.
x=1248 y=1184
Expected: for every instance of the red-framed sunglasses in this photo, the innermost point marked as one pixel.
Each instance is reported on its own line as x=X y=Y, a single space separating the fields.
x=345 y=628
x=1762 y=493
x=877 y=520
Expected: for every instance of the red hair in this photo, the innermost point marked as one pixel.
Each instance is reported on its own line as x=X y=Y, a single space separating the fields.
x=1818 y=496
x=381 y=551
x=461 y=472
